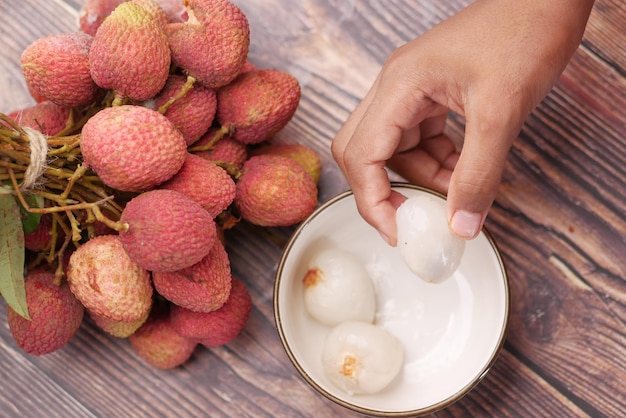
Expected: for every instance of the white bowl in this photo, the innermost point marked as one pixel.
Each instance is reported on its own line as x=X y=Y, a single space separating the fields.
x=452 y=332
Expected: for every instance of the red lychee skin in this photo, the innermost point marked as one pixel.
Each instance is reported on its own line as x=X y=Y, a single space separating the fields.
x=218 y=327
x=258 y=104
x=300 y=153
x=130 y=53
x=212 y=46
x=205 y=182
x=93 y=12
x=39 y=239
x=275 y=191
x=203 y=287
x=159 y=345
x=107 y=281
x=192 y=114
x=55 y=315
x=226 y=150
x=132 y=148
x=155 y=10
x=47 y=117
x=57 y=67
x=167 y=231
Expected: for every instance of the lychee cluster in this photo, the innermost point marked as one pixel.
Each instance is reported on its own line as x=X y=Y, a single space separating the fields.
x=159 y=134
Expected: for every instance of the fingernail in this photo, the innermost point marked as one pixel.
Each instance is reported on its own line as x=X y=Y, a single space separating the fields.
x=466 y=224
x=385 y=237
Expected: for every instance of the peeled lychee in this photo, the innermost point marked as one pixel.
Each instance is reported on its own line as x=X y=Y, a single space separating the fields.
x=218 y=327
x=257 y=104
x=119 y=329
x=205 y=182
x=47 y=117
x=107 y=282
x=212 y=45
x=300 y=153
x=203 y=287
x=159 y=345
x=132 y=148
x=226 y=150
x=57 y=67
x=55 y=315
x=193 y=113
x=130 y=53
x=167 y=231
x=275 y=191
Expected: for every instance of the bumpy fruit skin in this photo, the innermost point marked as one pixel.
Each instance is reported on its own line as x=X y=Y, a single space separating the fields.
x=167 y=231
x=205 y=182
x=47 y=117
x=40 y=239
x=55 y=315
x=192 y=114
x=155 y=10
x=57 y=67
x=119 y=329
x=93 y=12
x=212 y=46
x=300 y=153
x=257 y=104
x=275 y=191
x=226 y=150
x=159 y=345
x=218 y=327
x=130 y=53
x=132 y=148
x=107 y=282
x=203 y=287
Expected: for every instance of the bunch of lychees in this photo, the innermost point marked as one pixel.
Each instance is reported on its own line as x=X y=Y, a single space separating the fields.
x=150 y=138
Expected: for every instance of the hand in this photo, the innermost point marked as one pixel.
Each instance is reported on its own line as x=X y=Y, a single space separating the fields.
x=491 y=63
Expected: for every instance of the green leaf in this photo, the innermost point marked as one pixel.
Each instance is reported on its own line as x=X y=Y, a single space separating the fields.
x=12 y=256
x=30 y=221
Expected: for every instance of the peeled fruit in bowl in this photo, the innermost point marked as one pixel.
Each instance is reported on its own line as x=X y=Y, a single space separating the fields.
x=361 y=358
x=338 y=288
x=424 y=239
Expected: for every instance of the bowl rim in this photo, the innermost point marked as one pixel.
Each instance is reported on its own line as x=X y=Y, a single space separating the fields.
x=363 y=410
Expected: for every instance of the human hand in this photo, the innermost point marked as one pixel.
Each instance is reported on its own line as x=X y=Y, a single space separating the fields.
x=492 y=63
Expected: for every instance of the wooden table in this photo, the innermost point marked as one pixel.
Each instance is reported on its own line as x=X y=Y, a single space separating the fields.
x=559 y=221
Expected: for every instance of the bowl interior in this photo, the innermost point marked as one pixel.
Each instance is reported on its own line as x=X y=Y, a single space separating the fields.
x=452 y=332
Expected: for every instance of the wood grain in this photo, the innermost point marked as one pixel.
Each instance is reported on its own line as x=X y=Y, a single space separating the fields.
x=559 y=220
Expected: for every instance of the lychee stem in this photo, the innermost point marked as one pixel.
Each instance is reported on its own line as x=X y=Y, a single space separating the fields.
x=219 y=134
x=182 y=93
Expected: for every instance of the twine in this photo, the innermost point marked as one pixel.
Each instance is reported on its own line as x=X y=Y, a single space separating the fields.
x=38 y=158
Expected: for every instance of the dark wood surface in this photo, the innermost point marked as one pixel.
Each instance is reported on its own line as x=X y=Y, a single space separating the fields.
x=559 y=221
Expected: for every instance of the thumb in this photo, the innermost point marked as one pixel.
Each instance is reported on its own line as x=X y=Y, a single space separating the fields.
x=476 y=178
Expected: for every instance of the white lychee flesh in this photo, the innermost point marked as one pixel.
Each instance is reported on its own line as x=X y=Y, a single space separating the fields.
x=361 y=358
x=338 y=288
x=424 y=239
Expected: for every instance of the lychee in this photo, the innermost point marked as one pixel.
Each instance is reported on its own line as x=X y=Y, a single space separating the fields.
x=93 y=12
x=218 y=327
x=155 y=10
x=57 y=67
x=300 y=153
x=226 y=150
x=203 y=287
x=130 y=53
x=159 y=345
x=119 y=329
x=55 y=315
x=212 y=45
x=132 y=148
x=107 y=281
x=205 y=182
x=167 y=231
x=47 y=117
x=40 y=239
x=275 y=191
x=193 y=113
x=257 y=104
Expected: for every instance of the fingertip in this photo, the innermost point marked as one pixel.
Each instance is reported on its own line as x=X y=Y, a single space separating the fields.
x=466 y=225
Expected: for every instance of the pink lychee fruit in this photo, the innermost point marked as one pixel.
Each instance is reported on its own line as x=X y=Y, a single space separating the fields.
x=193 y=113
x=205 y=182
x=226 y=150
x=167 y=231
x=258 y=104
x=55 y=315
x=107 y=281
x=93 y=12
x=47 y=117
x=212 y=45
x=132 y=148
x=275 y=191
x=119 y=329
x=130 y=53
x=203 y=287
x=57 y=67
x=218 y=327
x=300 y=153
